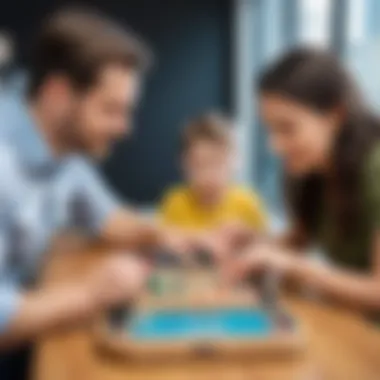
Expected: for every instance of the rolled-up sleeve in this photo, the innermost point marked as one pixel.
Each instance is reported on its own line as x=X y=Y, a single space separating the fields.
x=372 y=186
x=96 y=200
x=10 y=300
x=10 y=295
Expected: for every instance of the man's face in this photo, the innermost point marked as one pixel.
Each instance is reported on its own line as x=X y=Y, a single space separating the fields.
x=102 y=115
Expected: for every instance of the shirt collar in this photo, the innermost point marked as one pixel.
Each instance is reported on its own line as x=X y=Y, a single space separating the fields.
x=32 y=147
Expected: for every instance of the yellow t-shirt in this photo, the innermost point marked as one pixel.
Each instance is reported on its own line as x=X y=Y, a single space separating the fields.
x=180 y=209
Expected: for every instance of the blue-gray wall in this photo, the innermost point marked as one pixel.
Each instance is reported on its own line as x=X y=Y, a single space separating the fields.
x=191 y=40
x=192 y=74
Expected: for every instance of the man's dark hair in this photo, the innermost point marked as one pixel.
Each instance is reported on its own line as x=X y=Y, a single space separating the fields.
x=78 y=43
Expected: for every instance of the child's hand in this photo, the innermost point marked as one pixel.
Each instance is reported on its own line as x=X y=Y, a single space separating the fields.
x=176 y=241
x=225 y=240
x=235 y=234
x=212 y=243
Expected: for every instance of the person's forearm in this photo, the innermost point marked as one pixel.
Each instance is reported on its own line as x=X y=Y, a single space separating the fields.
x=44 y=310
x=362 y=291
x=294 y=238
x=132 y=230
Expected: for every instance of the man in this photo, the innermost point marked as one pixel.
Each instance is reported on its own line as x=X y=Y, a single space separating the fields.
x=84 y=82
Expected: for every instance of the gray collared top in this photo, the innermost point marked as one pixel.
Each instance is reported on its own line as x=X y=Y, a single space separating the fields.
x=39 y=195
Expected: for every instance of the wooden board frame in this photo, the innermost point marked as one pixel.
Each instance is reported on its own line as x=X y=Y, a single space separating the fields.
x=284 y=342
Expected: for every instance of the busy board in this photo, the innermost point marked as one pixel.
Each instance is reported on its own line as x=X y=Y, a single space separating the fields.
x=190 y=314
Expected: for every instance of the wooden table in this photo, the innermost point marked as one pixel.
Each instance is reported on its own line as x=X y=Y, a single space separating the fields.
x=341 y=345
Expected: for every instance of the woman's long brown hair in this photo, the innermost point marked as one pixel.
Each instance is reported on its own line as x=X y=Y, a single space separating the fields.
x=318 y=80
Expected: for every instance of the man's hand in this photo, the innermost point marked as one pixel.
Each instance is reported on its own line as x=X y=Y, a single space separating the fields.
x=120 y=278
x=136 y=232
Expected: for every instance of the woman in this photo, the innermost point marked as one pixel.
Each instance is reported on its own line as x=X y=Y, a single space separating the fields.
x=329 y=143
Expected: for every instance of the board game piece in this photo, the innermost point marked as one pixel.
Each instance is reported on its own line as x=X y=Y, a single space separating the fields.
x=155 y=285
x=270 y=291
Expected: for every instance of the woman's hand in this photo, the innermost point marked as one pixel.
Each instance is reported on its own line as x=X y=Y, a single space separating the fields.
x=257 y=258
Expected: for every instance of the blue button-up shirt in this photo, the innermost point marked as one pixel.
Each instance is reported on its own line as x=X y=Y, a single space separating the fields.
x=39 y=195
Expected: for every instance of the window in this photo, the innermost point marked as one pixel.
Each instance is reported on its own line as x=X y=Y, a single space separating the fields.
x=362 y=50
x=314 y=18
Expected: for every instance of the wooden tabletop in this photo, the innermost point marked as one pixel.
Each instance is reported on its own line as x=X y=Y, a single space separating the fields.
x=340 y=344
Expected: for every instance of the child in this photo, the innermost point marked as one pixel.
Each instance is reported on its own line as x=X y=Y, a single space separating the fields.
x=209 y=200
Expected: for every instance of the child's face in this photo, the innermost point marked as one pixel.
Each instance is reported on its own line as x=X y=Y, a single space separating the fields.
x=208 y=166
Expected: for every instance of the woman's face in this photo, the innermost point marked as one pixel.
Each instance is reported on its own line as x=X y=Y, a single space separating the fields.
x=302 y=137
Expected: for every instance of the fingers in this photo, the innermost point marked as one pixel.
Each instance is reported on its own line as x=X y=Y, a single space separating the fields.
x=237 y=269
x=252 y=261
x=177 y=242
x=120 y=278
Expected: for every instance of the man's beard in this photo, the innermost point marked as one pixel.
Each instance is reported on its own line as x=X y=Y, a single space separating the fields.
x=70 y=136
